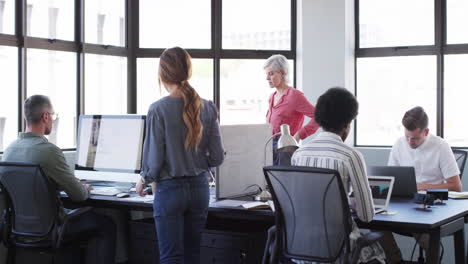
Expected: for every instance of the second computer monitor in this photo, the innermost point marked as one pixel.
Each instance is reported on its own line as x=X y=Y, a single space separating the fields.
x=109 y=147
x=405 y=179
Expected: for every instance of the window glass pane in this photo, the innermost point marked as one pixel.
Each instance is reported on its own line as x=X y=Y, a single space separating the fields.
x=456 y=95
x=386 y=89
x=259 y=24
x=396 y=23
x=51 y=19
x=9 y=98
x=457 y=21
x=184 y=23
x=7 y=17
x=53 y=73
x=105 y=84
x=148 y=86
x=244 y=91
x=105 y=22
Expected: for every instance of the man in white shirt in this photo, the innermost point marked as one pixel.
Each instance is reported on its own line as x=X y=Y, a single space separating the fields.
x=434 y=164
x=431 y=156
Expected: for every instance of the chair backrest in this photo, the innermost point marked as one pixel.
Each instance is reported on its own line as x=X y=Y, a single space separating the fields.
x=312 y=212
x=32 y=200
x=460 y=157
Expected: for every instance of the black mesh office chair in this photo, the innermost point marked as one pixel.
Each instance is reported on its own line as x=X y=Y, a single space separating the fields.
x=313 y=219
x=30 y=219
x=460 y=157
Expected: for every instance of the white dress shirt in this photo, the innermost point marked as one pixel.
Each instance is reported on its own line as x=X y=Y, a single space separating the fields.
x=433 y=160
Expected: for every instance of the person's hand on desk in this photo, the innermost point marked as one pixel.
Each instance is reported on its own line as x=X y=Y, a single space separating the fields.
x=140 y=187
x=423 y=186
x=89 y=187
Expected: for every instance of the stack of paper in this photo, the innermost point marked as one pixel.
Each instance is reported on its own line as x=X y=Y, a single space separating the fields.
x=458 y=195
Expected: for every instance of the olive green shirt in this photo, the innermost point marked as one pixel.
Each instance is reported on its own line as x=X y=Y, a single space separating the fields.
x=35 y=148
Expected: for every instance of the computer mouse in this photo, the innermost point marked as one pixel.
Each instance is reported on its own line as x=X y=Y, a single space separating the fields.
x=122 y=195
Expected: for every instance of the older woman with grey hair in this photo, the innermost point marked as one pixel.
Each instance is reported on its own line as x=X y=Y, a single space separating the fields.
x=287 y=105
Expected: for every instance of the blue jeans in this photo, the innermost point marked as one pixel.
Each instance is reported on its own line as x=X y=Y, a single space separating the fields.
x=180 y=211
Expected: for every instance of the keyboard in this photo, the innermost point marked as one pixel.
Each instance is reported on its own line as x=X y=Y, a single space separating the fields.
x=105 y=190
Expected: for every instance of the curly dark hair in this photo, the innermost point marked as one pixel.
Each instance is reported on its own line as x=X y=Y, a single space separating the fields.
x=335 y=109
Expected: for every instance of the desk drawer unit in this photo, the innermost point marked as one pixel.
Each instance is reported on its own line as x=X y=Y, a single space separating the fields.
x=231 y=247
x=143 y=243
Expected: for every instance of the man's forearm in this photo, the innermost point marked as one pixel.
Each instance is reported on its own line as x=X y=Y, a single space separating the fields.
x=450 y=186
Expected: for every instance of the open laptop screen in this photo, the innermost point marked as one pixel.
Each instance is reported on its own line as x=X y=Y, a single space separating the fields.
x=381 y=188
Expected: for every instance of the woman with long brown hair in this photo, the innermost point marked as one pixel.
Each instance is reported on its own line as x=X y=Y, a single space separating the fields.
x=182 y=142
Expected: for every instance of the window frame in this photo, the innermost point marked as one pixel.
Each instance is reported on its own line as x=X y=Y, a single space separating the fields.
x=131 y=51
x=439 y=49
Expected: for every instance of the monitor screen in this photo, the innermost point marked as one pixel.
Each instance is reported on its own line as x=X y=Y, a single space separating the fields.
x=380 y=188
x=110 y=143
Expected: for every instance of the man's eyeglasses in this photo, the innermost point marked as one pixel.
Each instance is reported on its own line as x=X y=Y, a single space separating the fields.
x=53 y=115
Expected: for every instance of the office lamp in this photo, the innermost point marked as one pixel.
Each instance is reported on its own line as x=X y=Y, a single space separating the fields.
x=286 y=144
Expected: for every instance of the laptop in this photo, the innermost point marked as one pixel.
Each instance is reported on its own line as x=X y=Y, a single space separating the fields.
x=405 y=179
x=381 y=187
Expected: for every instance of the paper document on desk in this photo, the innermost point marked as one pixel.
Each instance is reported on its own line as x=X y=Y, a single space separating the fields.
x=256 y=205
x=229 y=203
x=145 y=199
x=458 y=195
x=105 y=190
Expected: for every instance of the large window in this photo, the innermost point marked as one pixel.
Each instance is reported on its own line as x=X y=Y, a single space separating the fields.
x=414 y=60
x=101 y=56
x=9 y=98
x=53 y=73
x=105 y=84
x=50 y=19
x=184 y=23
x=7 y=16
x=149 y=89
x=259 y=24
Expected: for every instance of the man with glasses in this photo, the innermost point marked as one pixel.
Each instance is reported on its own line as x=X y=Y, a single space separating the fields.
x=33 y=147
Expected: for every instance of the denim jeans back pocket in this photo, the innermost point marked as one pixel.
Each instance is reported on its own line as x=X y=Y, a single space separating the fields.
x=168 y=200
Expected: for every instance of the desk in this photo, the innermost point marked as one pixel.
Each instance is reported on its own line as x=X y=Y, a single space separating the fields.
x=439 y=221
x=232 y=235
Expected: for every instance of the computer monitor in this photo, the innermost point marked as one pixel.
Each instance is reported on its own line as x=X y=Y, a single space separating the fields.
x=109 y=147
x=405 y=179
x=247 y=152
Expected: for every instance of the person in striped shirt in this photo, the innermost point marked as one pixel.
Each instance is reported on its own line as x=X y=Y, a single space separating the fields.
x=334 y=112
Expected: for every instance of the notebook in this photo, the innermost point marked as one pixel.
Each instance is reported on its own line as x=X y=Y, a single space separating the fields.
x=381 y=187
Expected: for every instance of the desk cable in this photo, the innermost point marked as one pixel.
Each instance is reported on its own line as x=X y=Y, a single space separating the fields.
x=441 y=251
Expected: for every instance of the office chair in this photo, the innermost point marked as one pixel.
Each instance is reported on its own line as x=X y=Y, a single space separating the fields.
x=312 y=217
x=30 y=220
x=460 y=157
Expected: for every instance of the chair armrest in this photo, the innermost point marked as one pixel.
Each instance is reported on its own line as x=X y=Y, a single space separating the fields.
x=364 y=241
x=69 y=216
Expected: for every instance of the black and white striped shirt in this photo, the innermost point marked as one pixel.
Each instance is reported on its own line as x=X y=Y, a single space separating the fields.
x=328 y=150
